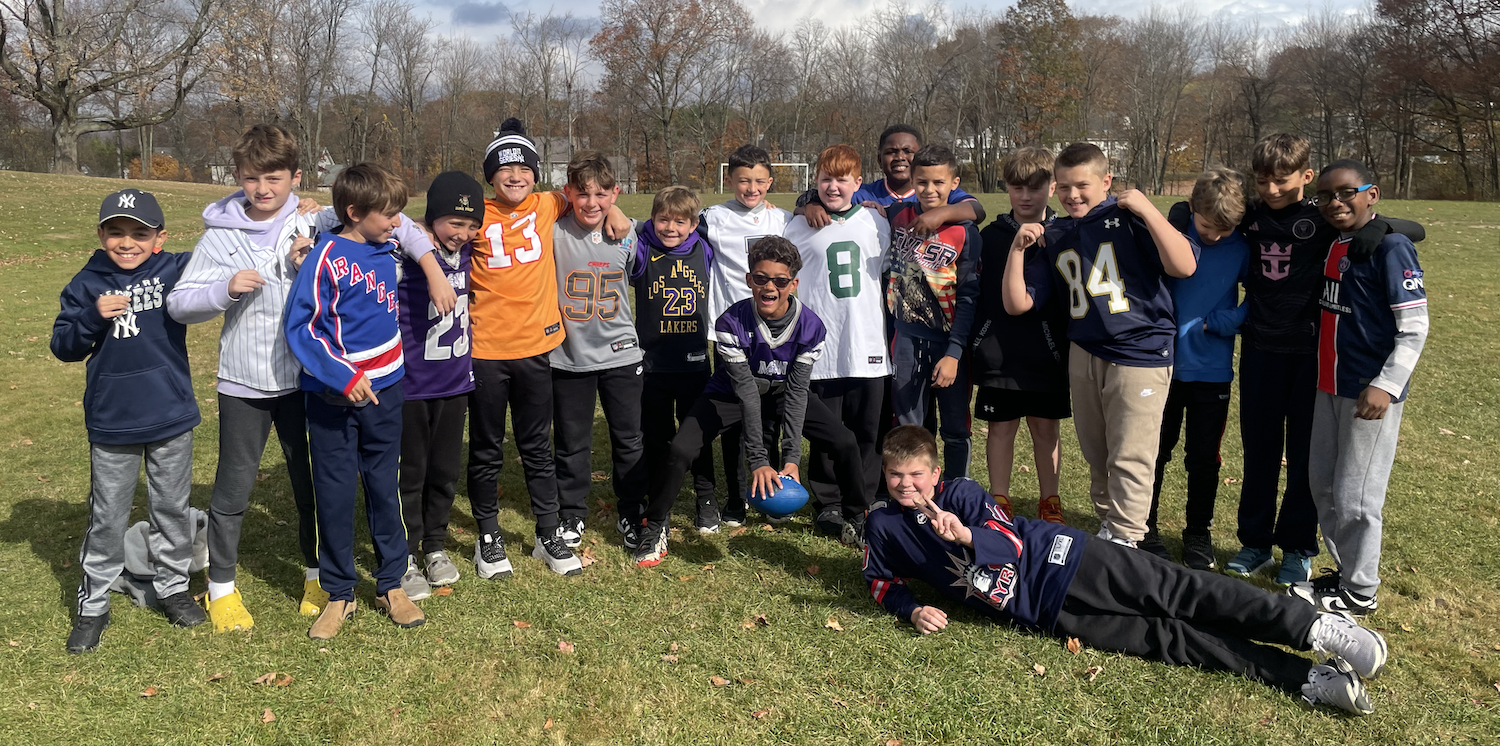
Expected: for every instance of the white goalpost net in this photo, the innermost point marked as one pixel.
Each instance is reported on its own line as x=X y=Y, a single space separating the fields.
x=786 y=177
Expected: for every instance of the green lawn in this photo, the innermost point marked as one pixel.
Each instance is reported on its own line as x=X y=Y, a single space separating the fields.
x=472 y=675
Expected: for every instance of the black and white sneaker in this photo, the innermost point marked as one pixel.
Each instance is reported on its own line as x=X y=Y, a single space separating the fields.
x=735 y=512
x=1198 y=551
x=552 y=550
x=853 y=534
x=1152 y=545
x=653 y=546
x=86 y=633
x=1363 y=649
x=1335 y=684
x=182 y=610
x=1328 y=581
x=708 y=517
x=830 y=523
x=1339 y=601
x=630 y=532
x=489 y=557
x=572 y=532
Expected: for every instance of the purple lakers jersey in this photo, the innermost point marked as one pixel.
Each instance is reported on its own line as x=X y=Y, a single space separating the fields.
x=436 y=345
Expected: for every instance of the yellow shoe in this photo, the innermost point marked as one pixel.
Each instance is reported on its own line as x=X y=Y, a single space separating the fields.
x=229 y=613
x=314 y=598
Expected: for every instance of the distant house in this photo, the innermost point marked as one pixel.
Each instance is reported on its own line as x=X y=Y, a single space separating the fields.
x=327 y=169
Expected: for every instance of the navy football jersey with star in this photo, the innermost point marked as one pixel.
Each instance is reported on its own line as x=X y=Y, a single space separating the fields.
x=1107 y=274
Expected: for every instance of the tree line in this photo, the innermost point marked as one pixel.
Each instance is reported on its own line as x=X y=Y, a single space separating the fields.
x=674 y=85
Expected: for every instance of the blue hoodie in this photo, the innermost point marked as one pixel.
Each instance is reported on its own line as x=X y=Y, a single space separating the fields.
x=1210 y=297
x=138 y=388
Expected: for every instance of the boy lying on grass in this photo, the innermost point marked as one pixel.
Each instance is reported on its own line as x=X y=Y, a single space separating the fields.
x=1053 y=578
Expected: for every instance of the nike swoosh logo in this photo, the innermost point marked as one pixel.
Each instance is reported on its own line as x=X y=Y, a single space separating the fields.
x=1147 y=392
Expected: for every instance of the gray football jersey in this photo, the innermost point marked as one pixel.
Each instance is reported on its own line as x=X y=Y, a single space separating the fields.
x=593 y=273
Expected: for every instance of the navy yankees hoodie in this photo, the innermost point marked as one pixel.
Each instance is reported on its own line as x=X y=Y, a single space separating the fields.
x=138 y=389
x=1019 y=568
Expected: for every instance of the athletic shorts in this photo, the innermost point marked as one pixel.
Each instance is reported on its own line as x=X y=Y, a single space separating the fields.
x=1004 y=405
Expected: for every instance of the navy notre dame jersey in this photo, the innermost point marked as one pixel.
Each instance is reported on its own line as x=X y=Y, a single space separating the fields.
x=1107 y=273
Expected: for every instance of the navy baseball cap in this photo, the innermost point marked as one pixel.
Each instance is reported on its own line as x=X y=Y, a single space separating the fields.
x=134 y=204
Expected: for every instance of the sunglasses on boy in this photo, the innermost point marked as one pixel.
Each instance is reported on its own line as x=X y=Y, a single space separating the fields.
x=1324 y=199
x=760 y=279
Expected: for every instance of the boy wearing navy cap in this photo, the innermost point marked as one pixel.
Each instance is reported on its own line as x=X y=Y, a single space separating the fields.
x=138 y=403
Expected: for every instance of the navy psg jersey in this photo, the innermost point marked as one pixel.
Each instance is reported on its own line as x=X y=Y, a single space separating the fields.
x=742 y=335
x=1360 y=306
x=1107 y=274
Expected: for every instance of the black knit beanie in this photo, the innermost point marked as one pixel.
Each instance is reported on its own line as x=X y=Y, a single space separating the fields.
x=454 y=193
x=512 y=146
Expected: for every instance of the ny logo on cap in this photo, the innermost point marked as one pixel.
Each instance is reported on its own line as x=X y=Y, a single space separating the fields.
x=1112 y=223
x=127 y=201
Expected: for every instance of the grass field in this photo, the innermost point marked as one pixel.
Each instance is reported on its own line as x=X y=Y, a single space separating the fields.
x=487 y=667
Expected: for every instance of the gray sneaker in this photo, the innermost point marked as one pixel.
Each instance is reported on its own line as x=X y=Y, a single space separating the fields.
x=440 y=569
x=414 y=583
x=1335 y=684
x=1363 y=649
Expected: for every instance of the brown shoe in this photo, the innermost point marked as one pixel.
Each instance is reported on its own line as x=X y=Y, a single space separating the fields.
x=333 y=617
x=400 y=609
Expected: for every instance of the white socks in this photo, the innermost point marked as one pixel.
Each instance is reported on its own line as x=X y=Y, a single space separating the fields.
x=217 y=591
x=312 y=573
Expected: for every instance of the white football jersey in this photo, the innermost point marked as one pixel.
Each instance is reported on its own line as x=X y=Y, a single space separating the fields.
x=731 y=228
x=841 y=282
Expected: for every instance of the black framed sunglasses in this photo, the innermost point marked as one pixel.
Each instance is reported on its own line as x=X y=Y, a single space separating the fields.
x=760 y=279
x=1324 y=199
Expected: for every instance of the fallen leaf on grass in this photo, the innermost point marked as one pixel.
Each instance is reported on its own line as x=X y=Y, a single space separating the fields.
x=1093 y=672
x=833 y=624
x=547 y=725
x=1230 y=480
x=265 y=678
x=768 y=527
x=565 y=646
x=443 y=590
x=29 y=705
x=1074 y=646
x=718 y=681
x=151 y=691
x=323 y=650
x=599 y=476
x=1445 y=431
x=758 y=714
x=43 y=479
x=218 y=676
x=669 y=658
x=284 y=680
x=812 y=569
x=761 y=620
x=672 y=648
x=1025 y=469
x=685 y=578
x=521 y=624
x=262 y=476
x=587 y=558
x=893 y=742
x=1405 y=627
x=26 y=442
x=708 y=567
x=267 y=716
x=1039 y=669
x=281 y=523
x=739 y=531
x=747 y=682
x=15 y=643
x=1265 y=722
x=67 y=563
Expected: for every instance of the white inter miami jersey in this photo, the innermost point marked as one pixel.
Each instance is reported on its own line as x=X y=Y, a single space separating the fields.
x=730 y=229
x=841 y=282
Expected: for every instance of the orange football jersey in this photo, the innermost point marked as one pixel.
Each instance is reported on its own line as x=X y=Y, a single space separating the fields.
x=513 y=307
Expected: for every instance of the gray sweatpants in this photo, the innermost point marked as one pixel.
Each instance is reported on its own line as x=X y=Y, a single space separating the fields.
x=114 y=472
x=1350 y=463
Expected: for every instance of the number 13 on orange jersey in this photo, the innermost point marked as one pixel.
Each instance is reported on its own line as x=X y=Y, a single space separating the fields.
x=530 y=249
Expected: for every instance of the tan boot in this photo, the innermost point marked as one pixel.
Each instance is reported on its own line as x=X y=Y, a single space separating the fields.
x=400 y=609
x=333 y=617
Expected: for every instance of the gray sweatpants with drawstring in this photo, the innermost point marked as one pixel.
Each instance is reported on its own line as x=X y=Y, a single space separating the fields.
x=114 y=472
x=1348 y=468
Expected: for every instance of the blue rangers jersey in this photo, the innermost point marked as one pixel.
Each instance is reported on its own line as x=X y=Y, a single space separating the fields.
x=341 y=319
x=1373 y=320
x=1108 y=273
x=1019 y=568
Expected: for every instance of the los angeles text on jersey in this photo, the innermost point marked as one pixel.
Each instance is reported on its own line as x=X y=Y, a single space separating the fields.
x=342 y=268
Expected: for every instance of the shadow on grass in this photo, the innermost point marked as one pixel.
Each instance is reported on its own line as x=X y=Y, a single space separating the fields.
x=45 y=524
x=840 y=571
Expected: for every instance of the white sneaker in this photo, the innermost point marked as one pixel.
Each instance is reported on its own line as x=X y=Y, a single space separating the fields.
x=440 y=569
x=489 y=557
x=1107 y=535
x=1363 y=649
x=413 y=582
x=551 y=550
x=1335 y=684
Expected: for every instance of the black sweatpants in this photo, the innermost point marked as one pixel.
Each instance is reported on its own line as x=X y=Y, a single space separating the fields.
x=244 y=427
x=432 y=442
x=711 y=417
x=666 y=399
x=1128 y=601
x=857 y=404
x=618 y=390
x=1277 y=391
x=1205 y=407
x=524 y=387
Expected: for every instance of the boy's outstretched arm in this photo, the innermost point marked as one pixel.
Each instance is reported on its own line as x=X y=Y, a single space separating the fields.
x=616 y=225
x=1013 y=290
x=931 y=221
x=1176 y=253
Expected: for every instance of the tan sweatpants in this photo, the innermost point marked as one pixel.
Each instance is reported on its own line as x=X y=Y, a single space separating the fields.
x=1117 y=411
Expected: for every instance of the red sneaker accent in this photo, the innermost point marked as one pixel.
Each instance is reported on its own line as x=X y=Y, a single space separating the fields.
x=1004 y=503
x=1049 y=509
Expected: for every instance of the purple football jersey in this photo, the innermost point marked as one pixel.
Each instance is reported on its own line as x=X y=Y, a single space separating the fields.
x=436 y=347
x=742 y=335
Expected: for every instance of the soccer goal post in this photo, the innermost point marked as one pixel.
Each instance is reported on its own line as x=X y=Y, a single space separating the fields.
x=783 y=175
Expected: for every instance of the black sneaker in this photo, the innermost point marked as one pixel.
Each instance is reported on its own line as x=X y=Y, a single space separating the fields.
x=182 y=610
x=552 y=549
x=572 y=532
x=830 y=523
x=489 y=557
x=1198 y=551
x=1152 y=545
x=630 y=532
x=653 y=546
x=708 y=517
x=853 y=534
x=735 y=512
x=87 y=630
